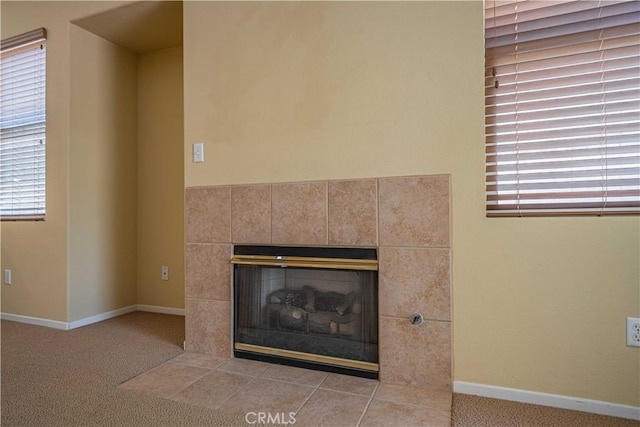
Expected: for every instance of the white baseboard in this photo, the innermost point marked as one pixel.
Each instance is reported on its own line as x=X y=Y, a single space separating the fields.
x=89 y=320
x=100 y=317
x=163 y=310
x=545 y=399
x=35 y=321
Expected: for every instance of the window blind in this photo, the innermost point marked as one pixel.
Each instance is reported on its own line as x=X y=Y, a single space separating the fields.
x=562 y=107
x=22 y=126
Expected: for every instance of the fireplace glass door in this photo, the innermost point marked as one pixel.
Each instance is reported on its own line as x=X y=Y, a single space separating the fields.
x=317 y=312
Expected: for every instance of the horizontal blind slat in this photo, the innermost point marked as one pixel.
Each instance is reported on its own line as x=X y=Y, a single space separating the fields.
x=560 y=176
x=573 y=134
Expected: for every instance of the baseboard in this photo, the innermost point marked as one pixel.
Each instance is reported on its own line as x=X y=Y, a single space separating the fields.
x=545 y=399
x=100 y=317
x=35 y=321
x=89 y=320
x=159 y=309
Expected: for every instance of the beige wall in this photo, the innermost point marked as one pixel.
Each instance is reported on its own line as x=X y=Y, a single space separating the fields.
x=310 y=91
x=160 y=178
x=103 y=176
x=37 y=251
x=83 y=260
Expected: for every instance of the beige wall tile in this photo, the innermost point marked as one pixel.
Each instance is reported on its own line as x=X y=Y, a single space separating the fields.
x=415 y=356
x=251 y=214
x=208 y=327
x=414 y=211
x=414 y=280
x=353 y=212
x=299 y=213
x=208 y=215
x=208 y=271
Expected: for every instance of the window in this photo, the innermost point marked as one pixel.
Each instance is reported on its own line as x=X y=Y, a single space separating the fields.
x=22 y=126
x=562 y=107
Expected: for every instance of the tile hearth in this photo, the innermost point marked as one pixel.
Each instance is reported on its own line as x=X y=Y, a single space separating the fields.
x=240 y=386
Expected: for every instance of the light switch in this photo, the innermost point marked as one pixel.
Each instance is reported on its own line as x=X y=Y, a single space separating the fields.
x=198 y=152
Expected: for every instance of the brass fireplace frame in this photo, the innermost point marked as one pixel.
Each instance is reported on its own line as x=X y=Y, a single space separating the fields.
x=306 y=262
x=367 y=262
x=308 y=357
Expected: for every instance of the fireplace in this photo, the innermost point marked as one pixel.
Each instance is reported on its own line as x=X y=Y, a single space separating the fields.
x=313 y=307
x=406 y=220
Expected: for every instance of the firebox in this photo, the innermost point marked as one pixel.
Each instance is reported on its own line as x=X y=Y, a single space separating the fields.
x=312 y=307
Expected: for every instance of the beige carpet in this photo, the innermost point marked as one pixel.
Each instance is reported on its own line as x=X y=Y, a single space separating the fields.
x=477 y=411
x=70 y=378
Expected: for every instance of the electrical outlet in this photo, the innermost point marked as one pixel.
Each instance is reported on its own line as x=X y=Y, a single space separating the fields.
x=7 y=277
x=165 y=272
x=633 y=331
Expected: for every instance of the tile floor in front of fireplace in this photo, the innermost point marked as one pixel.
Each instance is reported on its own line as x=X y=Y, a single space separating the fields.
x=316 y=398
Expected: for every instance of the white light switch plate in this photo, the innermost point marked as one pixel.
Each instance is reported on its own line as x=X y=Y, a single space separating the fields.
x=198 y=152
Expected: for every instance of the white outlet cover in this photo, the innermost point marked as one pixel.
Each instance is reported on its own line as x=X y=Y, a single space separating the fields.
x=633 y=331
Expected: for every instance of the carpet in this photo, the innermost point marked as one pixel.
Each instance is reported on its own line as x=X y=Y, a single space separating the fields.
x=70 y=378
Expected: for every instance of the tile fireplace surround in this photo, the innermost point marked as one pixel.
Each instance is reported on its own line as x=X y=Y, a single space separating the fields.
x=406 y=218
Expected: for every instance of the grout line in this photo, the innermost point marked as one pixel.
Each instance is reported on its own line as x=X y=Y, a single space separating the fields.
x=366 y=408
x=236 y=373
x=288 y=382
x=271 y=214
x=415 y=247
x=208 y=300
x=230 y=235
x=316 y=388
x=323 y=381
x=191 y=383
x=403 y=402
x=237 y=391
x=304 y=402
x=196 y=366
x=239 y=373
x=326 y=212
x=231 y=240
x=378 y=216
x=426 y=319
x=342 y=391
